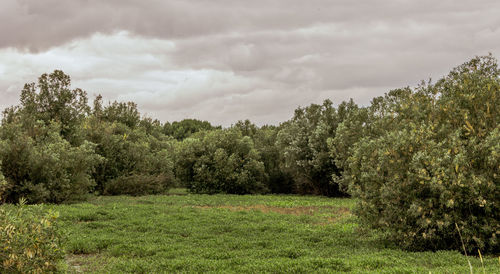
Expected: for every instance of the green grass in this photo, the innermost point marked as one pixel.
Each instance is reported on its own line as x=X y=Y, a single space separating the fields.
x=244 y=234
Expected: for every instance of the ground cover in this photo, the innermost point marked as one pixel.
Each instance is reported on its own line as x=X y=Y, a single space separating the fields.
x=230 y=233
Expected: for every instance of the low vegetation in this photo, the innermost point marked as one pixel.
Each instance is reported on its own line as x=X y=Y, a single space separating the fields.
x=30 y=240
x=237 y=234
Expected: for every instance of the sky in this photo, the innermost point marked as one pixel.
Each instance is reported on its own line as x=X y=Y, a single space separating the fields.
x=229 y=60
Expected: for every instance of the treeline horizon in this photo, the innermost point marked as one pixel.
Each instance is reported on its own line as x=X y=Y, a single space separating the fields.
x=423 y=162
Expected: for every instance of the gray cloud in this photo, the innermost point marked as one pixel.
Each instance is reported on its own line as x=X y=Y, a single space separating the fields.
x=226 y=60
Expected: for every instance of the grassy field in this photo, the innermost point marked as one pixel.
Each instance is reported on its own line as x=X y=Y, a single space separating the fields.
x=229 y=233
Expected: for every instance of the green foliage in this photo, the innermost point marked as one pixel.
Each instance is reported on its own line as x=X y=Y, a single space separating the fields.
x=246 y=128
x=137 y=185
x=221 y=161
x=187 y=127
x=44 y=155
x=354 y=125
x=30 y=240
x=134 y=160
x=51 y=100
x=305 y=154
x=121 y=112
x=422 y=161
x=429 y=159
x=3 y=185
x=44 y=167
x=278 y=179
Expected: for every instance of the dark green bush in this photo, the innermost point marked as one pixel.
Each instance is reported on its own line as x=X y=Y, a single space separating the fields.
x=30 y=240
x=187 y=127
x=44 y=168
x=137 y=155
x=354 y=125
x=430 y=162
x=155 y=176
x=304 y=149
x=140 y=184
x=44 y=155
x=278 y=179
x=221 y=161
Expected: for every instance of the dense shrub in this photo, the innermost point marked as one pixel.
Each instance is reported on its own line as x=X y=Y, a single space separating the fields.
x=133 y=159
x=155 y=175
x=187 y=127
x=136 y=185
x=44 y=155
x=278 y=179
x=42 y=166
x=354 y=125
x=303 y=144
x=220 y=161
x=30 y=240
x=431 y=161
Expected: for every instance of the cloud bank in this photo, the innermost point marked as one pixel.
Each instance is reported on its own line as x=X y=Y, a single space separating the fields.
x=225 y=60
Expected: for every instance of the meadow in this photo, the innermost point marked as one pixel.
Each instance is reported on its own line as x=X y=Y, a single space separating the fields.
x=182 y=232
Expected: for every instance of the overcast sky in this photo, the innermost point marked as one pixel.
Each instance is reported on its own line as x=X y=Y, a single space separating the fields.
x=226 y=60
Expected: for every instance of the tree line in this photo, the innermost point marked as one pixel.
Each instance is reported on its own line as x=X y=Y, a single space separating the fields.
x=422 y=162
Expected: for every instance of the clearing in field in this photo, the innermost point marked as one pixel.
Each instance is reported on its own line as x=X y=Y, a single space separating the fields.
x=230 y=233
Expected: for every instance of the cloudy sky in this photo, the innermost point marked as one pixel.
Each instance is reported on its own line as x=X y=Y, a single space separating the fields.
x=226 y=60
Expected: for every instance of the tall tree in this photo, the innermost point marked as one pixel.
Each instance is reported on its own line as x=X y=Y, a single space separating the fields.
x=51 y=100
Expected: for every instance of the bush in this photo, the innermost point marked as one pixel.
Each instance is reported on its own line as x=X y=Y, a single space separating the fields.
x=30 y=240
x=136 y=185
x=304 y=149
x=221 y=161
x=43 y=167
x=354 y=125
x=44 y=155
x=278 y=180
x=155 y=177
x=431 y=162
x=131 y=157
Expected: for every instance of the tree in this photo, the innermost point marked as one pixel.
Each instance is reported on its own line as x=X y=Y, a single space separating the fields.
x=51 y=100
x=246 y=128
x=429 y=162
x=44 y=168
x=305 y=154
x=278 y=179
x=187 y=127
x=354 y=125
x=43 y=152
x=221 y=161
x=137 y=155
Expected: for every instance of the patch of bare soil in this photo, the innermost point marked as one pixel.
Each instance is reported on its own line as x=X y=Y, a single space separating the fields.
x=334 y=213
x=81 y=263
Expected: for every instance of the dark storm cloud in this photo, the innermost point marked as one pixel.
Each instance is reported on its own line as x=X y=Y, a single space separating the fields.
x=224 y=60
x=38 y=24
